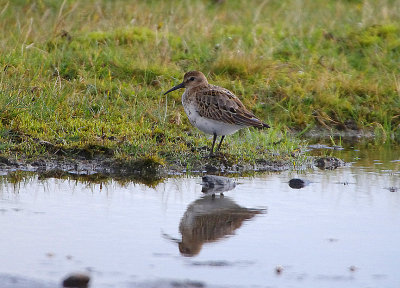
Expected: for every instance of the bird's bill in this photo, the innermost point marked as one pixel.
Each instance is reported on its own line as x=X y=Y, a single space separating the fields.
x=179 y=86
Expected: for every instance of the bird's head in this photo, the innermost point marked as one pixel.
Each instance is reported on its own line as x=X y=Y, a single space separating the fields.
x=191 y=79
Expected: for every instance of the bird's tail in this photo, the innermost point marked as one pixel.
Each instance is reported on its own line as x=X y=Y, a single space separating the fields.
x=262 y=125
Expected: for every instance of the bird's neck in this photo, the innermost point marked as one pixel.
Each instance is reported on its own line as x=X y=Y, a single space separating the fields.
x=193 y=90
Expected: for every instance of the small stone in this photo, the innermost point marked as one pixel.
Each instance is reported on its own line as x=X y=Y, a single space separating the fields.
x=212 y=184
x=76 y=280
x=297 y=183
x=278 y=269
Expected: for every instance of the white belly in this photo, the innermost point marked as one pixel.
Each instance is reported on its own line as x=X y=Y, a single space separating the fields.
x=209 y=126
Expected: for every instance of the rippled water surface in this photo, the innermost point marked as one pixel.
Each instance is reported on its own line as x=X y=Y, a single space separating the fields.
x=341 y=230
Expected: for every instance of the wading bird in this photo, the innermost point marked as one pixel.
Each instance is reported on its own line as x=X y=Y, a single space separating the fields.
x=213 y=109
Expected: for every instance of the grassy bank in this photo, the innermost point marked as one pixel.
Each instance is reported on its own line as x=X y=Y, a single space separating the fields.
x=86 y=77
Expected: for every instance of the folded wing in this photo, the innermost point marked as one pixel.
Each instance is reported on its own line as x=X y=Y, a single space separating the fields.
x=222 y=105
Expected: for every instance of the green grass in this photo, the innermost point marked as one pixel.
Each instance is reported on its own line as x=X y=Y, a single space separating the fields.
x=90 y=75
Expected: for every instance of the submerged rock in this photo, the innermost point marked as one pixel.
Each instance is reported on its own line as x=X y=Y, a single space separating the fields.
x=213 y=180
x=216 y=184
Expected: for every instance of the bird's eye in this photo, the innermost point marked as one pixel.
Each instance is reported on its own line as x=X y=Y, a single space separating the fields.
x=191 y=79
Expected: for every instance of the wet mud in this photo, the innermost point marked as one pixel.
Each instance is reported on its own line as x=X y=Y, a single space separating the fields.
x=146 y=171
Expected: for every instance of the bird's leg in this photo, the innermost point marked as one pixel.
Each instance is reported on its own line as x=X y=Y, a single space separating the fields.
x=220 y=142
x=212 y=147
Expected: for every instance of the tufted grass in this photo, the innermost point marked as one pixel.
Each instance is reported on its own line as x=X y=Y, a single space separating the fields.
x=89 y=75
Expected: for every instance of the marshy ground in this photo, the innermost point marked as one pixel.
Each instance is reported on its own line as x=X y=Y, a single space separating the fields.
x=81 y=99
x=337 y=228
x=84 y=80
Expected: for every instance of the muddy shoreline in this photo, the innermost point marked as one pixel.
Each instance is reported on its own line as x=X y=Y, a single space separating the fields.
x=145 y=170
x=100 y=167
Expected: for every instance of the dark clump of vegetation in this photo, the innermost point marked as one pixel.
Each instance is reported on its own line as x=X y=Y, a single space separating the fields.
x=82 y=82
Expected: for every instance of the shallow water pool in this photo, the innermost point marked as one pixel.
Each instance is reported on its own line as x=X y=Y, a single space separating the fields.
x=340 y=230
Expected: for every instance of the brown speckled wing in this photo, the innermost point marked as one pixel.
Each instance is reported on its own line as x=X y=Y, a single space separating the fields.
x=222 y=105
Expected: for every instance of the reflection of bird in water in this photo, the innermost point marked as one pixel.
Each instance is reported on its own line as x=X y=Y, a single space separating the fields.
x=212 y=184
x=209 y=219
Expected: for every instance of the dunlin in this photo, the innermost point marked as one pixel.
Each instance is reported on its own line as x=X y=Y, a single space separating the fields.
x=213 y=109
